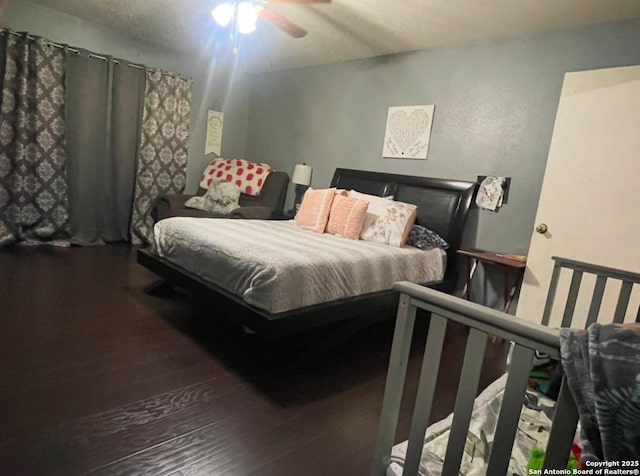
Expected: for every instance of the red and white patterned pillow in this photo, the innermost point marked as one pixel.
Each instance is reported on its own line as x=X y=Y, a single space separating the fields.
x=249 y=176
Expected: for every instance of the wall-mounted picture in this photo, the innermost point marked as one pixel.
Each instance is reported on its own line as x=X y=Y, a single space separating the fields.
x=215 y=120
x=408 y=132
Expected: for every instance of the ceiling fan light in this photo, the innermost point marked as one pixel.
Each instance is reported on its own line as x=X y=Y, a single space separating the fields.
x=223 y=14
x=247 y=18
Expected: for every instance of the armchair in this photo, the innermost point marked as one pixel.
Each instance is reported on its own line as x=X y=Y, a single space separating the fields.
x=270 y=200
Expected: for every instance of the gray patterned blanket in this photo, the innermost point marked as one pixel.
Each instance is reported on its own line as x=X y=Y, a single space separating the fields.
x=602 y=367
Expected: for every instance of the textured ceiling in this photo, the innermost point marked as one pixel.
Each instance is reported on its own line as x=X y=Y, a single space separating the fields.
x=346 y=29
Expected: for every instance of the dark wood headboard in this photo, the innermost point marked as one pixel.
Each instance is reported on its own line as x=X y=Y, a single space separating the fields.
x=442 y=204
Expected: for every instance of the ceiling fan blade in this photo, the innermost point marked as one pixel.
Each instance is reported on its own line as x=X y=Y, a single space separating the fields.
x=282 y=23
x=298 y=1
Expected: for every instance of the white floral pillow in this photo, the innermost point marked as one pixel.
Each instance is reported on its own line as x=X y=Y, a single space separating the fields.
x=388 y=221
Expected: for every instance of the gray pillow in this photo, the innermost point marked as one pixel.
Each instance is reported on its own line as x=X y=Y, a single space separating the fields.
x=221 y=197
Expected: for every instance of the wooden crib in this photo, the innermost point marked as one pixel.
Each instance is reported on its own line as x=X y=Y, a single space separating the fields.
x=527 y=337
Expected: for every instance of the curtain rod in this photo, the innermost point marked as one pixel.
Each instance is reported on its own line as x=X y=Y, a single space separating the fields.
x=95 y=55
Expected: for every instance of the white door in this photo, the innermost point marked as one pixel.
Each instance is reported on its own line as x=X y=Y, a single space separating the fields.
x=590 y=197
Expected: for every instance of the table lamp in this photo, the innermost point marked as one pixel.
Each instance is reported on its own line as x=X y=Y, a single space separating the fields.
x=302 y=179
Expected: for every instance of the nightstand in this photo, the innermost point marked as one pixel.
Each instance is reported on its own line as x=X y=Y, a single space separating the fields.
x=507 y=262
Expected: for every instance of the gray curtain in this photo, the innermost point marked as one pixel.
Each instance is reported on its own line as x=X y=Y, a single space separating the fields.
x=104 y=112
x=162 y=160
x=33 y=178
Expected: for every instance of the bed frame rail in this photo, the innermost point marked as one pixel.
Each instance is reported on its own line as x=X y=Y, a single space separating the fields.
x=482 y=321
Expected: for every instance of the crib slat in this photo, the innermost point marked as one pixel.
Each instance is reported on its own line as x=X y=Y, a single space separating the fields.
x=510 y=410
x=400 y=348
x=551 y=294
x=596 y=301
x=598 y=270
x=623 y=302
x=469 y=378
x=574 y=288
x=426 y=390
x=563 y=429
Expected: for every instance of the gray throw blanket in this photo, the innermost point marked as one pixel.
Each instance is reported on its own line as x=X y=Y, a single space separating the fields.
x=602 y=367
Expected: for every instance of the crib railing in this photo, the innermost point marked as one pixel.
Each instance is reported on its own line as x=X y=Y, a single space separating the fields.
x=603 y=274
x=482 y=321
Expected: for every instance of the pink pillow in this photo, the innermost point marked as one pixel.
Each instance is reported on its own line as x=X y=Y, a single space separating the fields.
x=314 y=210
x=347 y=217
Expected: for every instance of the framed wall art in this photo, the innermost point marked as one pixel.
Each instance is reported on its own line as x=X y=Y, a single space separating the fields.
x=408 y=132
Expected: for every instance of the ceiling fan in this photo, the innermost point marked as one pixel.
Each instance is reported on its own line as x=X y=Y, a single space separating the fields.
x=243 y=15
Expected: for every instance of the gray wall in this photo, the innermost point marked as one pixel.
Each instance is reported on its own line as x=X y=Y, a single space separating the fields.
x=495 y=109
x=210 y=87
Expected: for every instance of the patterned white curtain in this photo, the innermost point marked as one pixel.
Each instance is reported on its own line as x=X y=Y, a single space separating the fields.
x=34 y=203
x=162 y=159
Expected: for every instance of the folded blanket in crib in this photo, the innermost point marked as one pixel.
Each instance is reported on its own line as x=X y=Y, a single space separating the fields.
x=602 y=367
x=533 y=432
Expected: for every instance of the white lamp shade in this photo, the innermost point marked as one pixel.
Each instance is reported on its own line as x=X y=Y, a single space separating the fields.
x=302 y=174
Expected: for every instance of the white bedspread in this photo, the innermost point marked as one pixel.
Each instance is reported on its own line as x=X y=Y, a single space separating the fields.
x=277 y=267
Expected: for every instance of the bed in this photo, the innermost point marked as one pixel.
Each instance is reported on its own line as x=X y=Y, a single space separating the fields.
x=252 y=278
x=487 y=434
x=276 y=267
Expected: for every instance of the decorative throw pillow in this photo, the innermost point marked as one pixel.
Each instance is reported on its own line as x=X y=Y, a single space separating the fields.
x=314 y=209
x=366 y=196
x=221 y=197
x=371 y=216
x=247 y=175
x=425 y=239
x=347 y=217
x=388 y=221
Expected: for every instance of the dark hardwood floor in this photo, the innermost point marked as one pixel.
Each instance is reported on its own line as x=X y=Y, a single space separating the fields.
x=98 y=378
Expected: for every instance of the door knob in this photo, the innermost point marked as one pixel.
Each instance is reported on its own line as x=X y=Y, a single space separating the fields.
x=542 y=228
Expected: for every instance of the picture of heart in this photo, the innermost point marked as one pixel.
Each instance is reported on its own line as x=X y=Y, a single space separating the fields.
x=408 y=132
x=406 y=128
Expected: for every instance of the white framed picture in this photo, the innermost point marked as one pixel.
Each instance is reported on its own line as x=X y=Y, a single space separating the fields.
x=408 y=132
x=215 y=121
